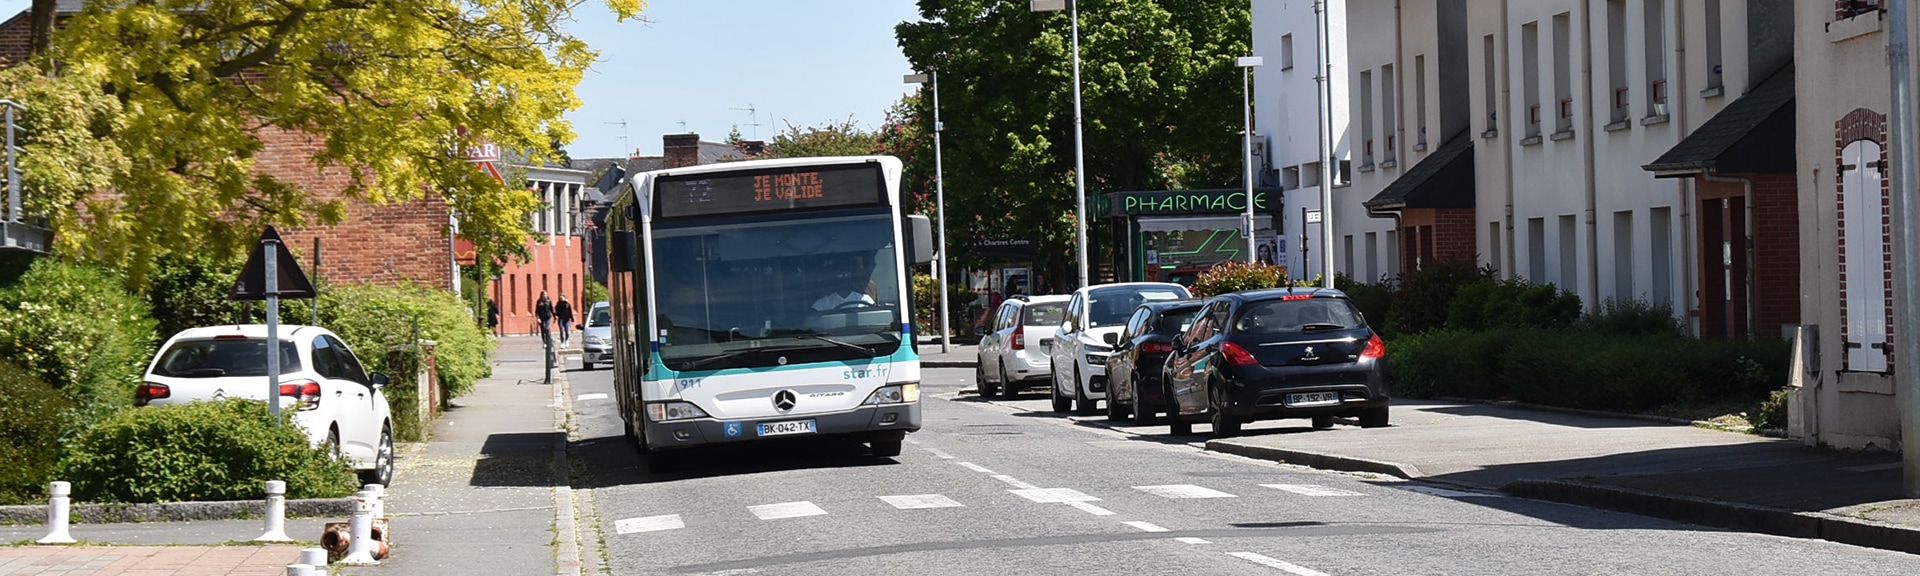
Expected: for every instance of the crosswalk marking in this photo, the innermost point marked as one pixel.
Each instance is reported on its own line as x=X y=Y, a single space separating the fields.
x=976 y=467
x=1312 y=490
x=1274 y=563
x=1183 y=491
x=942 y=455
x=785 y=510
x=1192 y=540
x=1053 y=495
x=1015 y=482
x=1145 y=526
x=648 y=524
x=920 y=501
x=593 y=396
x=1445 y=493
x=1091 y=509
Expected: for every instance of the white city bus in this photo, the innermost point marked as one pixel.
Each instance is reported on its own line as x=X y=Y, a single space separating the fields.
x=767 y=298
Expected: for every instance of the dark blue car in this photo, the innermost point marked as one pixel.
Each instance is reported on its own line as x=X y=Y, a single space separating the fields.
x=1139 y=351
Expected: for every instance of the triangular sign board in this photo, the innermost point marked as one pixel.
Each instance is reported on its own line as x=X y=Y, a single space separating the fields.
x=252 y=284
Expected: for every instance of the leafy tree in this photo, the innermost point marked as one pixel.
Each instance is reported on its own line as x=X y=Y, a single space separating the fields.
x=843 y=138
x=1159 y=96
x=166 y=103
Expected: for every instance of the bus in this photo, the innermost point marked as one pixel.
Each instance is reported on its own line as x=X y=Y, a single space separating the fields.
x=765 y=299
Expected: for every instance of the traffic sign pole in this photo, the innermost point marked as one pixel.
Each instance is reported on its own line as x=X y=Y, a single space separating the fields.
x=269 y=248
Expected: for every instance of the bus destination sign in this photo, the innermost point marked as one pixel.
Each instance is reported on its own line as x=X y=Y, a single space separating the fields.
x=774 y=190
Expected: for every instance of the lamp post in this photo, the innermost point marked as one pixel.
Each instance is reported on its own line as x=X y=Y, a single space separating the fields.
x=1322 y=9
x=1246 y=64
x=1079 y=154
x=940 y=203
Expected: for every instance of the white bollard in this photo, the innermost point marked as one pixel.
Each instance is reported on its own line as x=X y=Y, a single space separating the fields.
x=276 y=513
x=300 y=570
x=360 y=543
x=379 y=499
x=57 y=515
x=313 y=556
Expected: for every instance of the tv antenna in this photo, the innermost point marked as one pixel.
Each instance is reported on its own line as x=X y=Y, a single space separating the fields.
x=623 y=136
x=753 y=115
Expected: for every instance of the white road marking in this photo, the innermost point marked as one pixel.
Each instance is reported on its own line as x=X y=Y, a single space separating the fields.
x=976 y=467
x=1091 y=509
x=1272 y=563
x=785 y=510
x=911 y=441
x=1192 y=540
x=1015 y=482
x=593 y=396
x=1445 y=493
x=1183 y=491
x=1053 y=495
x=942 y=455
x=1312 y=490
x=1874 y=467
x=920 y=501
x=648 y=524
x=1145 y=526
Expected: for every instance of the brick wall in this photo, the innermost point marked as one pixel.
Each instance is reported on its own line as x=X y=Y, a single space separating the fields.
x=15 y=39
x=1430 y=235
x=388 y=244
x=1776 y=251
x=681 y=150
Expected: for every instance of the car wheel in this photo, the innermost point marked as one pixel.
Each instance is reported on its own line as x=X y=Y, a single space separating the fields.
x=888 y=446
x=1060 y=403
x=1323 y=422
x=1374 y=417
x=1224 y=424
x=333 y=443
x=1143 y=411
x=980 y=381
x=1006 y=386
x=382 y=472
x=1082 y=406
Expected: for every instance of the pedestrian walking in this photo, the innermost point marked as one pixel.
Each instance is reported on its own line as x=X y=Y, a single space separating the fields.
x=563 y=313
x=493 y=316
x=543 y=311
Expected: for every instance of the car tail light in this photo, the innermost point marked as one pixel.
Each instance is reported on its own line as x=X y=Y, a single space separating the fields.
x=1297 y=297
x=1237 y=355
x=306 y=391
x=1156 y=348
x=148 y=392
x=1019 y=339
x=1375 y=348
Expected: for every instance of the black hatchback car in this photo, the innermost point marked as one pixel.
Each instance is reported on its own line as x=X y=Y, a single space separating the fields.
x=1277 y=353
x=1139 y=352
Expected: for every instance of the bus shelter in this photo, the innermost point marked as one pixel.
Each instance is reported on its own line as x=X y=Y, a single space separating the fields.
x=1172 y=235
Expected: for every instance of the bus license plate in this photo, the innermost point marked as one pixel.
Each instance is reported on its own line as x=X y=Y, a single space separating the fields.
x=1313 y=399
x=789 y=427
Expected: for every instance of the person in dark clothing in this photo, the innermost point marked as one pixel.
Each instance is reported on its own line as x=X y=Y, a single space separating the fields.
x=563 y=314
x=543 y=311
x=493 y=315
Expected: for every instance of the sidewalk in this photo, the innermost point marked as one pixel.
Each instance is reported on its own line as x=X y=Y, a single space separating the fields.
x=487 y=493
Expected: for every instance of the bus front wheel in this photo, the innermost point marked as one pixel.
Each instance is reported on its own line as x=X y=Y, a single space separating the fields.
x=887 y=445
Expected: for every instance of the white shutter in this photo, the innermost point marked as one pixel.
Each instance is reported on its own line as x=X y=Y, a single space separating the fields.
x=1865 y=251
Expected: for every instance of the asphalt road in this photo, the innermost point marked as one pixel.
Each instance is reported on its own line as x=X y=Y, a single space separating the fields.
x=1005 y=487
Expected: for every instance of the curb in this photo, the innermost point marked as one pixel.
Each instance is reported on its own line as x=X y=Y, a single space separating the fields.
x=18 y=515
x=1720 y=514
x=1315 y=459
x=948 y=364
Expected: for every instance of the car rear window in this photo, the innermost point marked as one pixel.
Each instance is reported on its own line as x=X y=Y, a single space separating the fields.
x=223 y=358
x=1048 y=314
x=1176 y=321
x=1284 y=316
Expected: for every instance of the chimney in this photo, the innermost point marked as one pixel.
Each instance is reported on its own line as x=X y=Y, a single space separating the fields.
x=681 y=150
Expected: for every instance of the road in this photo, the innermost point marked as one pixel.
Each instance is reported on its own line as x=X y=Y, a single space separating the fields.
x=1006 y=487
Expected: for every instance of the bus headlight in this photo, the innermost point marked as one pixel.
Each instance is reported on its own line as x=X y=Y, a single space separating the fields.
x=906 y=393
x=665 y=411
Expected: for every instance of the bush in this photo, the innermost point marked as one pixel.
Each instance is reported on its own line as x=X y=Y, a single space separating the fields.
x=1451 y=363
x=1632 y=318
x=1372 y=298
x=1235 y=276
x=926 y=307
x=200 y=451
x=375 y=319
x=31 y=428
x=77 y=329
x=1422 y=302
x=1511 y=304
x=1773 y=412
x=191 y=291
x=594 y=292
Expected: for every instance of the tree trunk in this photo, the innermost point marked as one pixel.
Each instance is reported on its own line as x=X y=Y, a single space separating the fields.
x=40 y=27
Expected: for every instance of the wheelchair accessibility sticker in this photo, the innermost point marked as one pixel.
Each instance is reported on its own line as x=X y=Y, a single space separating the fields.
x=733 y=429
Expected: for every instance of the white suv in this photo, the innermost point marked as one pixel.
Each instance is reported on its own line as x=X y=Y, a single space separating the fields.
x=1095 y=317
x=332 y=397
x=1014 y=353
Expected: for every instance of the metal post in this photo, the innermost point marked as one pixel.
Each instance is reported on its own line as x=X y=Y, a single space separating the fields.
x=1326 y=146
x=1246 y=64
x=1303 y=246
x=270 y=257
x=1906 y=269
x=13 y=171
x=1079 y=155
x=316 y=285
x=940 y=206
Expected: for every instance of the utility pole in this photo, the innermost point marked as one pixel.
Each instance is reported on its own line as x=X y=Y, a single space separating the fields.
x=1906 y=275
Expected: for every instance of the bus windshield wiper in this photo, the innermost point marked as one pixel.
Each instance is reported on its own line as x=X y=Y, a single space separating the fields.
x=841 y=343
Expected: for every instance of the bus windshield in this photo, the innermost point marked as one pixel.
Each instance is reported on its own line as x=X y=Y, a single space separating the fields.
x=780 y=292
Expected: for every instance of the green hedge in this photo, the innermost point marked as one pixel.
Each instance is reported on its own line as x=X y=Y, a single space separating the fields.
x=377 y=319
x=191 y=291
x=76 y=328
x=200 y=451
x=1511 y=303
x=31 y=428
x=1424 y=297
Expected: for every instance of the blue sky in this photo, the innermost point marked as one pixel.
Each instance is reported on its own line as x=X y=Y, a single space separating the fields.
x=703 y=62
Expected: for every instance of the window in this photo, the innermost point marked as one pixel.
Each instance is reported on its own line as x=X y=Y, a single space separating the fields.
x=1420 y=101
x=1489 y=83
x=1656 y=42
x=1849 y=8
x=1713 y=49
x=1660 y=236
x=1530 y=76
x=1569 y=252
x=1286 y=51
x=1393 y=251
x=1617 y=60
x=1389 y=100
x=1623 y=255
x=1537 y=250
x=1347 y=256
x=1562 y=75
x=1863 y=256
x=1373 y=257
x=1493 y=243
x=347 y=366
x=1365 y=104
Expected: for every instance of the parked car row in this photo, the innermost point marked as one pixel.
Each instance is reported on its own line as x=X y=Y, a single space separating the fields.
x=1149 y=349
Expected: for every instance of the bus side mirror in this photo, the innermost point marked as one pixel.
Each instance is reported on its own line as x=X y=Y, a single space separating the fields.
x=922 y=230
x=623 y=255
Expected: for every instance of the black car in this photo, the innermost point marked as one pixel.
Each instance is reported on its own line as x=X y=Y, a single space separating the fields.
x=1139 y=351
x=1277 y=353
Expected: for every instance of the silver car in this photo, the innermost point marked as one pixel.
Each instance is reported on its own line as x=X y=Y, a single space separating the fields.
x=1013 y=354
x=596 y=336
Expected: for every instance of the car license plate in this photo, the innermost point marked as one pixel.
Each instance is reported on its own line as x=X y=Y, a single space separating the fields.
x=789 y=427
x=1313 y=399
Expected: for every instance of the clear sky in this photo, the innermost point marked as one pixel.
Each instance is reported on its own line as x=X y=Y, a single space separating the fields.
x=698 y=65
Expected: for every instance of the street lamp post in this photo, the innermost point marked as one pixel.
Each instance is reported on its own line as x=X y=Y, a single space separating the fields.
x=1246 y=64
x=940 y=204
x=1079 y=154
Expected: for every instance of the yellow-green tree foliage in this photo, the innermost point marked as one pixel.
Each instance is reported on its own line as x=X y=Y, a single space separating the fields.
x=164 y=104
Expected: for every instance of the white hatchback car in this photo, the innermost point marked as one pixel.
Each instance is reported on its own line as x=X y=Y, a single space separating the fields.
x=333 y=398
x=1013 y=353
x=1095 y=317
